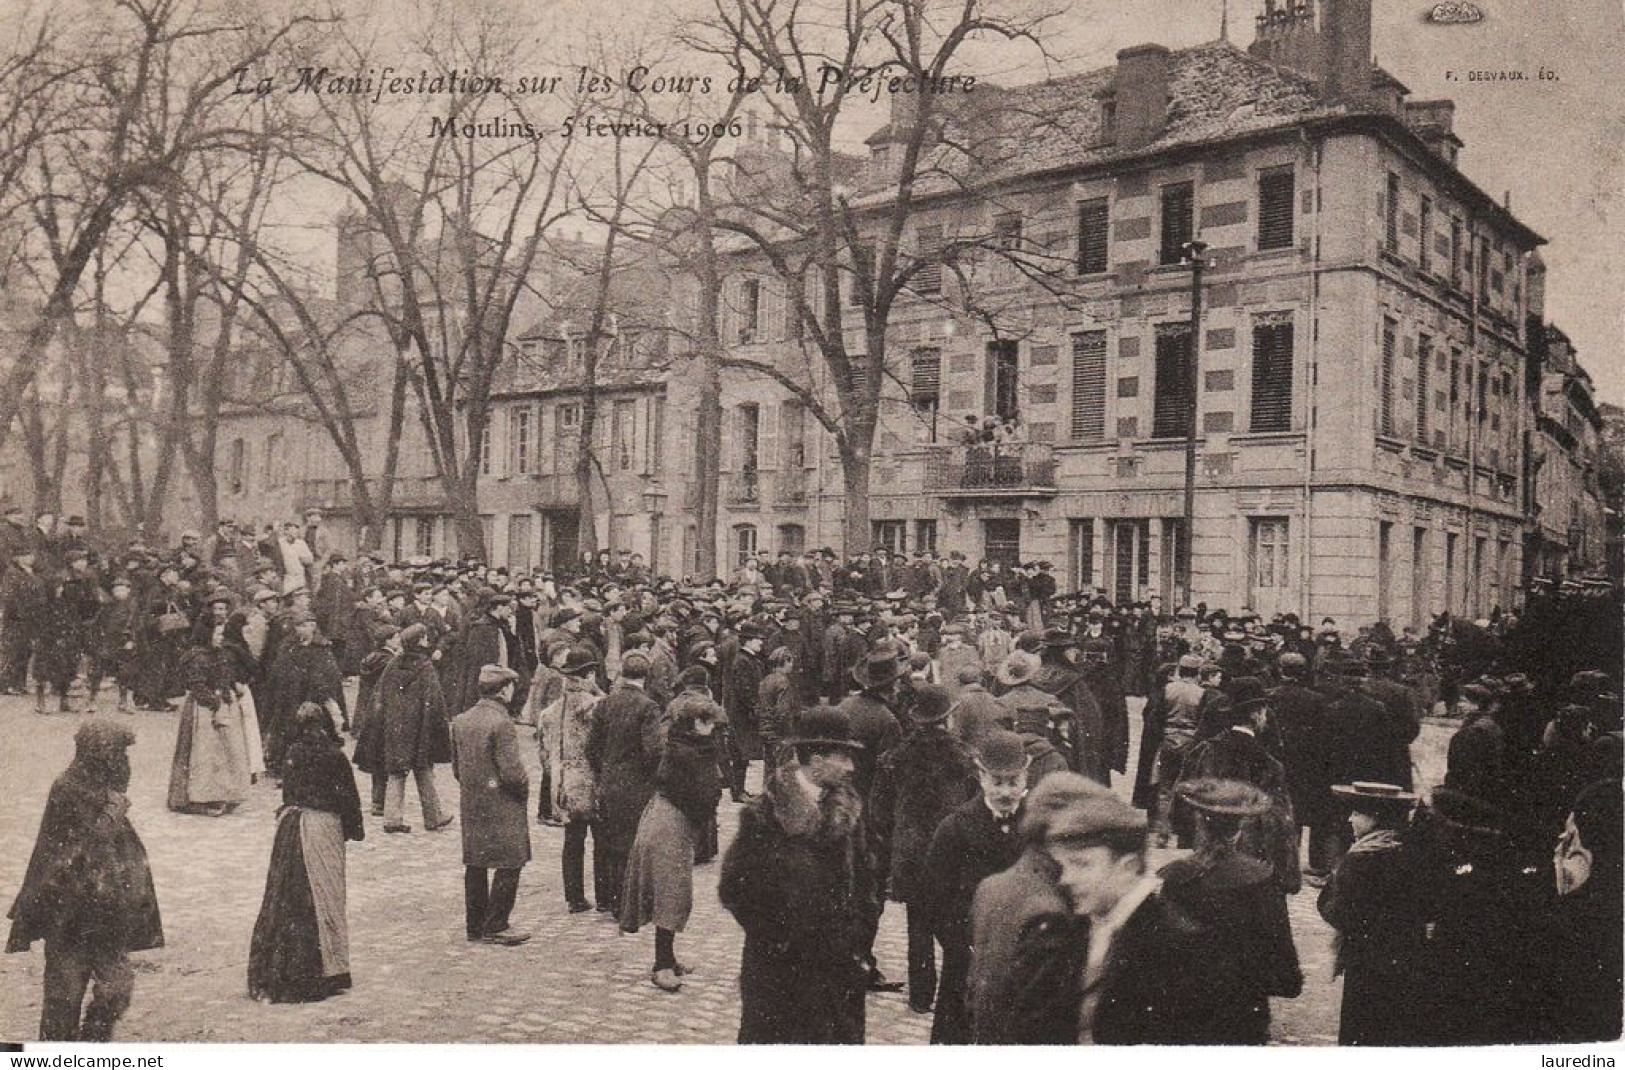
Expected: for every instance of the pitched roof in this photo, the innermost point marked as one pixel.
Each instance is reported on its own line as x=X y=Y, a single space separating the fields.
x=1216 y=91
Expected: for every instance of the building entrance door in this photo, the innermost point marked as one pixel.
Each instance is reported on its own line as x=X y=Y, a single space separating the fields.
x=1131 y=559
x=563 y=539
x=1001 y=541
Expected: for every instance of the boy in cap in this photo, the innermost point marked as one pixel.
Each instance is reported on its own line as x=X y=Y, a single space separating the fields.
x=495 y=793
x=1122 y=966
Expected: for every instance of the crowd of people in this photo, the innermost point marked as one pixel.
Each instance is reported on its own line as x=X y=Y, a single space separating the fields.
x=930 y=734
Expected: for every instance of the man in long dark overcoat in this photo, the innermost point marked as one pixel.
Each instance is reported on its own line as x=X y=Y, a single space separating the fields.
x=407 y=732
x=495 y=792
x=304 y=671
x=623 y=749
x=799 y=881
x=88 y=891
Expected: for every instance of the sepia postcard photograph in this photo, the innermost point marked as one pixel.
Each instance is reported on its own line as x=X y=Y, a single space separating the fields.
x=695 y=523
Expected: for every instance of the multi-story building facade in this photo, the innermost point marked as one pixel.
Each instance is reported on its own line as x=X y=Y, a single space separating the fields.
x=1567 y=533
x=1358 y=404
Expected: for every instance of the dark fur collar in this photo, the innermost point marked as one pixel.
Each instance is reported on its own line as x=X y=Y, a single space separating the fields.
x=834 y=815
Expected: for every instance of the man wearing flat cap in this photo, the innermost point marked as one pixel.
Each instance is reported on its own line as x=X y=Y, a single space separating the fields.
x=798 y=880
x=494 y=791
x=88 y=892
x=1122 y=965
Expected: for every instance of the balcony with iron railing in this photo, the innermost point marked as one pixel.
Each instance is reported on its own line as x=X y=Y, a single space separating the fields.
x=992 y=470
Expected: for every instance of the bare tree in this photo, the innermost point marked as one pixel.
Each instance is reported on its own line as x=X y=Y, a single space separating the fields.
x=461 y=215
x=831 y=229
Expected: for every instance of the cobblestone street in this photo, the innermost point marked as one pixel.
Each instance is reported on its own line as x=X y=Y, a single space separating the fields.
x=416 y=978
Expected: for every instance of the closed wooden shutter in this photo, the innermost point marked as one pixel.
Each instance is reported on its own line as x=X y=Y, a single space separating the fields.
x=1272 y=375
x=1385 y=380
x=928 y=244
x=1424 y=366
x=1093 y=221
x=1276 y=190
x=1089 y=386
x=1170 y=414
x=1176 y=221
x=925 y=384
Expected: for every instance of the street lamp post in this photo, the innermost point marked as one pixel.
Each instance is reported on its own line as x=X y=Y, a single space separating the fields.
x=1194 y=251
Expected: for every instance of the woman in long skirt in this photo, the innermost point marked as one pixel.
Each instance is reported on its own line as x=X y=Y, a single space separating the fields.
x=660 y=871
x=300 y=952
x=215 y=758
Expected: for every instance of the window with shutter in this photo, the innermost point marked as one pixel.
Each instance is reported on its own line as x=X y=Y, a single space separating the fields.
x=1093 y=221
x=860 y=372
x=925 y=382
x=750 y=310
x=1177 y=201
x=928 y=247
x=1455 y=253
x=1424 y=366
x=1385 y=380
x=1170 y=414
x=1089 y=386
x=1425 y=256
x=1272 y=373
x=1391 y=220
x=1007 y=231
x=1276 y=190
x=863 y=263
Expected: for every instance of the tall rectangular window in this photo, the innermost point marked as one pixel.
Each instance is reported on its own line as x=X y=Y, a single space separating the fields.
x=1424 y=259
x=1455 y=253
x=925 y=385
x=485 y=447
x=925 y=536
x=273 y=460
x=238 y=465
x=1093 y=242
x=750 y=310
x=1007 y=231
x=1272 y=372
x=928 y=247
x=1391 y=215
x=1004 y=394
x=1082 y=545
x=1178 y=202
x=1170 y=414
x=624 y=434
x=1089 y=386
x=1420 y=595
x=863 y=259
x=1385 y=379
x=1268 y=573
x=1276 y=192
x=1385 y=538
x=892 y=534
x=519 y=439
x=1424 y=368
x=1451 y=541
x=657 y=436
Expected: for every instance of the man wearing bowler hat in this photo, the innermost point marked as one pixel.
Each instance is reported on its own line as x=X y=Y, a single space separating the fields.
x=796 y=879
x=922 y=779
x=976 y=840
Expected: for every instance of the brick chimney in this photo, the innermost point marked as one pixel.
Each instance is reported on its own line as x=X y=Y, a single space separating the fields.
x=1142 y=94
x=1346 y=40
x=1287 y=37
x=1434 y=122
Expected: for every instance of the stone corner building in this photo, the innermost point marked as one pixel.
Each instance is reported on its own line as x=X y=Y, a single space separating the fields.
x=1360 y=413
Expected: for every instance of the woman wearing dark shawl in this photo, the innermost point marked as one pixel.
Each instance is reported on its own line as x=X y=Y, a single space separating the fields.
x=300 y=951
x=217 y=745
x=660 y=870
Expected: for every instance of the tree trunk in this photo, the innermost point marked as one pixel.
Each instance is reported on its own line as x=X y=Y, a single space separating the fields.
x=465 y=512
x=707 y=461
x=855 y=473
